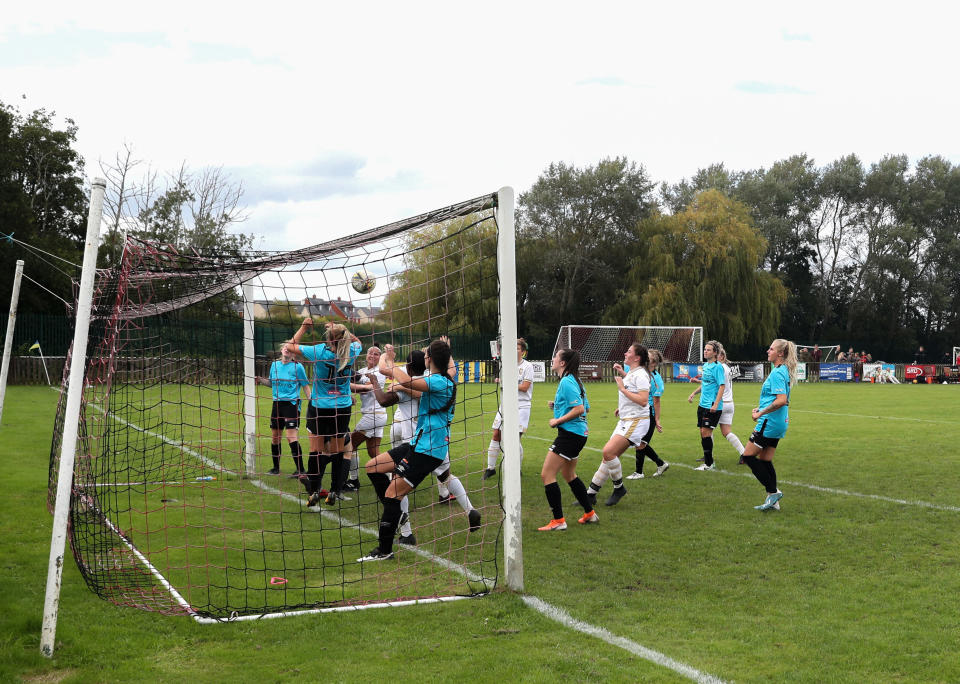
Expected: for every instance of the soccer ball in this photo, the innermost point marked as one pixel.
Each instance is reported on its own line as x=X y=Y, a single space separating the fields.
x=363 y=282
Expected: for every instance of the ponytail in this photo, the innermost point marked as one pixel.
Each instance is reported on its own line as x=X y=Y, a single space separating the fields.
x=788 y=350
x=338 y=333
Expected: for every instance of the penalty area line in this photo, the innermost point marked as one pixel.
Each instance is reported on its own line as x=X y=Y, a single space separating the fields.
x=559 y=615
x=816 y=488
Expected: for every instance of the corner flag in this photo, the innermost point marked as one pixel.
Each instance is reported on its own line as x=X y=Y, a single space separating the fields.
x=36 y=345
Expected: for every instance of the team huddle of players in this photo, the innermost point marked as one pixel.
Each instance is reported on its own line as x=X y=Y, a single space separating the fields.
x=423 y=389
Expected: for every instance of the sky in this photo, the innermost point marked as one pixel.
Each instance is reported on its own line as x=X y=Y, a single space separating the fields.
x=339 y=117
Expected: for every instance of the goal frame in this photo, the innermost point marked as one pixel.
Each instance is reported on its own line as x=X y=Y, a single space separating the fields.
x=695 y=354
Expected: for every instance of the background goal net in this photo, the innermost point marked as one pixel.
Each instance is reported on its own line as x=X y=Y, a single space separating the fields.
x=599 y=343
x=172 y=507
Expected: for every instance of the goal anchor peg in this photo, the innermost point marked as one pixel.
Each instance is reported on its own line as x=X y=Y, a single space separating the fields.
x=277 y=581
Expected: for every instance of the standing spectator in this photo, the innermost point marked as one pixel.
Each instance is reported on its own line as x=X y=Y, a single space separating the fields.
x=841 y=357
x=947 y=359
x=816 y=355
x=920 y=356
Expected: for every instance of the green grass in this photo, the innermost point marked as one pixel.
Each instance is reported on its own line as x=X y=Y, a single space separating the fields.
x=835 y=587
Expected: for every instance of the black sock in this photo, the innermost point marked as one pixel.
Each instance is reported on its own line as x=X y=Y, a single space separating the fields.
x=388 y=524
x=580 y=491
x=641 y=453
x=771 y=476
x=336 y=472
x=707 y=444
x=275 y=452
x=759 y=471
x=380 y=482
x=313 y=470
x=552 y=491
x=297 y=455
x=653 y=456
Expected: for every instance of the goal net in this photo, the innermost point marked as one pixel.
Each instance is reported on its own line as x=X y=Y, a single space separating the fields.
x=599 y=343
x=174 y=507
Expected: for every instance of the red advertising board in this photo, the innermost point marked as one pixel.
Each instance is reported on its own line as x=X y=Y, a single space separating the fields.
x=918 y=372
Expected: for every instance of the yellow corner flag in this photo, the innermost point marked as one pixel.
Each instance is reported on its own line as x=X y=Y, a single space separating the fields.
x=36 y=345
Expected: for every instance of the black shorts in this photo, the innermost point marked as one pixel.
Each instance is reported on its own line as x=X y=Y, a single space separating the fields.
x=285 y=414
x=328 y=422
x=757 y=437
x=653 y=426
x=707 y=418
x=412 y=466
x=567 y=444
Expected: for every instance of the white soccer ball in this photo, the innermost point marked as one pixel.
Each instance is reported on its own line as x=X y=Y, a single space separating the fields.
x=363 y=282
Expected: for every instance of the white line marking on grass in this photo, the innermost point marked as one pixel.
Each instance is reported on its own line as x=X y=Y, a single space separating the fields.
x=858 y=415
x=816 y=488
x=564 y=618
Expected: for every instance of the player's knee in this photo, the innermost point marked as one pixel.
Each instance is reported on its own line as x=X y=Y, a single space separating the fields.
x=444 y=475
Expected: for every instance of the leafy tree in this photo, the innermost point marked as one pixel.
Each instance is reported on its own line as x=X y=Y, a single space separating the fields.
x=42 y=203
x=700 y=266
x=576 y=230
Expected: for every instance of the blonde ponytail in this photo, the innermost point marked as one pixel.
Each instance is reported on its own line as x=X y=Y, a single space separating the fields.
x=788 y=350
x=338 y=333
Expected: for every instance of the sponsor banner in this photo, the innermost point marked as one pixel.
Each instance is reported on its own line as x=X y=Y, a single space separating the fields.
x=880 y=372
x=802 y=371
x=590 y=371
x=682 y=372
x=915 y=371
x=836 y=372
x=539 y=371
x=470 y=371
x=749 y=372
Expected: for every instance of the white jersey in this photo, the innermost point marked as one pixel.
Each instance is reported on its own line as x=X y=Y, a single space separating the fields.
x=525 y=374
x=368 y=400
x=406 y=414
x=637 y=380
x=727 y=386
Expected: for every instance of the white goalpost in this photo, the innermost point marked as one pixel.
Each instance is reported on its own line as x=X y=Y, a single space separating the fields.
x=600 y=343
x=11 y=325
x=161 y=394
x=955 y=356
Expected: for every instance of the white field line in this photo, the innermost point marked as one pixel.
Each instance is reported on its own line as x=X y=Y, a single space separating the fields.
x=443 y=562
x=859 y=415
x=564 y=618
x=816 y=488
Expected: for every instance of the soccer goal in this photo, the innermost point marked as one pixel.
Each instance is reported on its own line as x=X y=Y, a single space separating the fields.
x=599 y=343
x=172 y=507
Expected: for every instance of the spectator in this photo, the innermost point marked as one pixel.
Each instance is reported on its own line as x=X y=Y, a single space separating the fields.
x=841 y=357
x=816 y=355
x=920 y=356
x=947 y=359
x=804 y=355
x=869 y=358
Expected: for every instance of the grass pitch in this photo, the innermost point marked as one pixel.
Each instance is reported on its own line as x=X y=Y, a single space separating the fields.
x=855 y=579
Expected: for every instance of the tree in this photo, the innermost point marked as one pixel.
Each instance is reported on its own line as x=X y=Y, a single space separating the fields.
x=575 y=232
x=701 y=267
x=449 y=282
x=42 y=203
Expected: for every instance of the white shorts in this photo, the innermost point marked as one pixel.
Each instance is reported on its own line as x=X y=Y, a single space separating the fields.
x=400 y=432
x=371 y=425
x=633 y=429
x=726 y=415
x=524 y=419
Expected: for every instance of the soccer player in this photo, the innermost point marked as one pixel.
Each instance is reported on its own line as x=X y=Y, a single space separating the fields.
x=373 y=416
x=726 y=415
x=330 y=404
x=712 y=384
x=525 y=390
x=772 y=418
x=410 y=463
x=656 y=391
x=634 y=413
x=570 y=406
x=286 y=377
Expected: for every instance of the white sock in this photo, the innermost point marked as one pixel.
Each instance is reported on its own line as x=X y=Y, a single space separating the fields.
x=354 y=467
x=615 y=469
x=735 y=441
x=405 y=529
x=521 y=450
x=493 y=453
x=598 y=478
x=457 y=489
x=442 y=488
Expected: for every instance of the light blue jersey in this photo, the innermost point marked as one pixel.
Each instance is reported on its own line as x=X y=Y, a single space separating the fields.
x=570 y=394
x=710 y=380
x=432 y=436
x=778 y=382
x=656 y=390
x=286 y=379
x=331 y=384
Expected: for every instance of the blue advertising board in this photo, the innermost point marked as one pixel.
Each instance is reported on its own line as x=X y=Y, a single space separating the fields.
x=836 y=372
x=682 y=372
